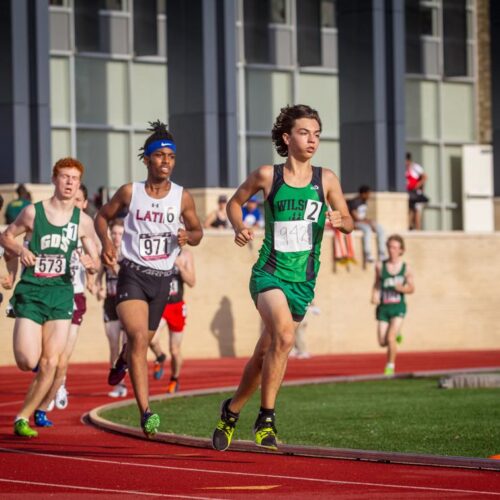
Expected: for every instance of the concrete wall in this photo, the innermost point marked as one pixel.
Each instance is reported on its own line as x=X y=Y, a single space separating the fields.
x=455 y=305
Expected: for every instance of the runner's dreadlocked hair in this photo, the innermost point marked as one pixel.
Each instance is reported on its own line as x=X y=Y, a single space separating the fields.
x=160 y=132
x=285 y=122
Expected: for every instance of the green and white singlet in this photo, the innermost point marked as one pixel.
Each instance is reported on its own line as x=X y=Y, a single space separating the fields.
x=45 y=290
x=52 y=247
x=295 y=220
x=388 y=281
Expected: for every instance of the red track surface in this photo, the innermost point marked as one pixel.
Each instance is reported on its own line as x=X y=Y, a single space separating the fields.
x=79 y=460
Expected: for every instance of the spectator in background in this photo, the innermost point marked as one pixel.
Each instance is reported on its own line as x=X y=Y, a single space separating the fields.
x=217 y=219
x=251 y=213
x=359 y=208
x=415 y=181
x=15 y=206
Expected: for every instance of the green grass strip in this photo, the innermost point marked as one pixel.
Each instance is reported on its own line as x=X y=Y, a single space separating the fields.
x=399 y=415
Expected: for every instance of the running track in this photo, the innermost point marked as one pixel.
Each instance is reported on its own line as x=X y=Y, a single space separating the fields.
x=80 y=461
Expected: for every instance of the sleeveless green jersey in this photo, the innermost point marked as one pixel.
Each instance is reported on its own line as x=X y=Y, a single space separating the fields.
x=52 y=247
x=388 y=281
x=295 y=219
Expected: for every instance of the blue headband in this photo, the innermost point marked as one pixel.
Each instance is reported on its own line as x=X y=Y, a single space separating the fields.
x=153 y=146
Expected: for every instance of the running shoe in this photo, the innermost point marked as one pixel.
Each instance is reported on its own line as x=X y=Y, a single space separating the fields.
x=119 y=370
x=41 y=419
x=399 y=338
x=51 y=405
x=150 y=423
x=22 y=428
x=389 y=371
x=223 y=433
x=119 y=391
x=61 y=399
x=173 y=386
x=265 y=433
x=159 y=368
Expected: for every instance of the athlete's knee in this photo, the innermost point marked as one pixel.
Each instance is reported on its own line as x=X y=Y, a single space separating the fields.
x=25 y=364
x=48 y=364
x=174 y=348
x=284 y=341
x=138 y=343
x=63 y=363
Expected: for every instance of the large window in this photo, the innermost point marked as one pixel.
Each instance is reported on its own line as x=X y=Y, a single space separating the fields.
x=290 y=57
x=103 y=89
x=438 y=37
x=440 y=102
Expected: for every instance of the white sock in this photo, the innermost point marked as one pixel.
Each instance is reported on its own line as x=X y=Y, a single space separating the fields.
x=389 y=365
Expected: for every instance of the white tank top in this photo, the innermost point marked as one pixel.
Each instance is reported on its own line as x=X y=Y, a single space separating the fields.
x=77 y=269
x=151 y=226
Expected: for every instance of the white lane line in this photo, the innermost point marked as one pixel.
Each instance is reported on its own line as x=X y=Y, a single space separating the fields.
x=265 y=476
x=10 y=403
x=106 y=490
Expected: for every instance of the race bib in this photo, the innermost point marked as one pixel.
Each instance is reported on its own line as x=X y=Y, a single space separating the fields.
x=313 y=210
x=154 y=246
x=391 y=297
x=50 y=266
x=174 y=287
x=293 y=235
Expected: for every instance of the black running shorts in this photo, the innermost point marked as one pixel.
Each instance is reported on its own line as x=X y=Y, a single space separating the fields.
x=109 y=307
x=136 y=282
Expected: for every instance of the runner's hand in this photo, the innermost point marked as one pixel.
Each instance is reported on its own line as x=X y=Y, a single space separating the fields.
x=182 y=237
x=335 y=218
x=27 y=258
x=108 y=255
x=87 y=262
x=243 y=236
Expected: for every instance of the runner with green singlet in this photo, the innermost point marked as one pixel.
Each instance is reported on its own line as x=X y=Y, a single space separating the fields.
x=43 y=298
x=298 y=200
x=393 y=280
x=289 y=257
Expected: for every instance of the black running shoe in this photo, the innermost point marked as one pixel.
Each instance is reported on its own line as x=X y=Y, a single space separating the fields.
x=265 y=433
x=119 y=370
x=223 y=433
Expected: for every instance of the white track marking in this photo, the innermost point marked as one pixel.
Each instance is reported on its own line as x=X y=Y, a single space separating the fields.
x=106 y=490
x=10 y=403
x=264 y=476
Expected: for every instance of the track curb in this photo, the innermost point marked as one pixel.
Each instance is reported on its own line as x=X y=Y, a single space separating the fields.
x=305 y=451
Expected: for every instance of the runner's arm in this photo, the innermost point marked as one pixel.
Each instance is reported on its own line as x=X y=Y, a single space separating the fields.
x=408 y=286
x=193 y=233
x=376 y=285
x=22 y=225
x=259 y=179
x=87 y=234
x=186 y=268
x=120 y=200
x=339 y=215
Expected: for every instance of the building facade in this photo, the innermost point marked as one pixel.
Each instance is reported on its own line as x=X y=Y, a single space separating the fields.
x=387 y=76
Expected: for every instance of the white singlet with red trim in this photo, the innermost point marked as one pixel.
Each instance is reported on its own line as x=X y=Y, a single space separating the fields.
x=151 y=227
x=77 y=269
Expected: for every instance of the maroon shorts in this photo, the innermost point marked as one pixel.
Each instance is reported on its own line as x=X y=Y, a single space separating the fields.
x=79 y=308
x=175 y=316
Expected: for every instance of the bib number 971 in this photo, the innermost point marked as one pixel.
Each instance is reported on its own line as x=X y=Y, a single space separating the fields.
x=154 y=246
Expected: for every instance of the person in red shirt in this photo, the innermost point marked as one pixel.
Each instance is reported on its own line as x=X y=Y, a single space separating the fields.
x=415 y=181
